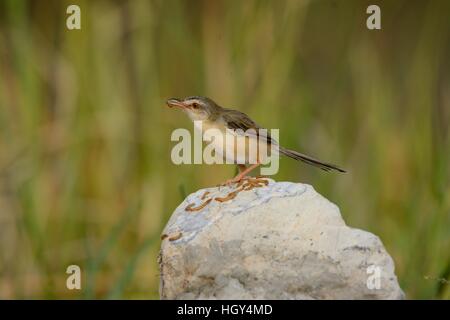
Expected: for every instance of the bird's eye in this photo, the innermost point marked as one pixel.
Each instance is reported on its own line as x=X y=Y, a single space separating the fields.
x=195 y=105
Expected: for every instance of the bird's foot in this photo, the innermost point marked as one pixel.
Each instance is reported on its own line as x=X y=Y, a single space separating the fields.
x=238 y=180
x=246 y=182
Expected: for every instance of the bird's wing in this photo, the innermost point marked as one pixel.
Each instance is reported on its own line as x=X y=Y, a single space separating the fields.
x=239 y=120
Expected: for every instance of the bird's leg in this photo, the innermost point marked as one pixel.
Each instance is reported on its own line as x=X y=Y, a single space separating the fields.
x=241 y=167
x=243 y=170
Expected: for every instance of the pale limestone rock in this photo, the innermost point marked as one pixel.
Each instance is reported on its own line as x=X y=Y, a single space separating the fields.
x=282 y=241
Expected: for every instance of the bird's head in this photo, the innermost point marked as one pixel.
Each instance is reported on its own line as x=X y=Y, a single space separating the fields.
x=197 y=108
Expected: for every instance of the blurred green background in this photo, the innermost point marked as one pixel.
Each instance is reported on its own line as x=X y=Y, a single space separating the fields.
x=85 y=170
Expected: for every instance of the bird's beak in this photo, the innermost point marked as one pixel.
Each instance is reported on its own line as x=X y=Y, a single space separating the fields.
x=175 y=103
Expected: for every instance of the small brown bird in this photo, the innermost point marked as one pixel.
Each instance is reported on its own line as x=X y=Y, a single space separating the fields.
x=212 y=116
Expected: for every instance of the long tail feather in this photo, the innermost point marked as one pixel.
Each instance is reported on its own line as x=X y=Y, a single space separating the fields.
x=307 y=159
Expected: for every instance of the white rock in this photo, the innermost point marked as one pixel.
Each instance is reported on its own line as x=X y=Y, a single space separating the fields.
x=282 y=241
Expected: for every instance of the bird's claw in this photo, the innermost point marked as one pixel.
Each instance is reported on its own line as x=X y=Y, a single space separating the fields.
x=246 y=182
x=238 y=180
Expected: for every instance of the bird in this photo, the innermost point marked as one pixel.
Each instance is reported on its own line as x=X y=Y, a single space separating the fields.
x=212 y=116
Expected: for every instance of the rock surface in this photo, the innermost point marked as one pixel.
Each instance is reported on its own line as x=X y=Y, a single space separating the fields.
x=280 y=241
